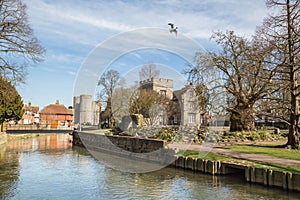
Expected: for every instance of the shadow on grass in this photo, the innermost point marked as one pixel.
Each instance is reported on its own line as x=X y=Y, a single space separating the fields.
x=283 y=146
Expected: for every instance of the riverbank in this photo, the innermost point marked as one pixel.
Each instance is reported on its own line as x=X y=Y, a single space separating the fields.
x=48 y=167
x=248 y=166
x=247 y=170
x=260 y=169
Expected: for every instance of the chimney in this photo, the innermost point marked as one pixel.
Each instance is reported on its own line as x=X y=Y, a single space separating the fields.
x=57 y=102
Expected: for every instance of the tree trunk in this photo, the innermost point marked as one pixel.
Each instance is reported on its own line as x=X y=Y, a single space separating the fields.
x=294 y=132
x=293 y=136
x=241 y=119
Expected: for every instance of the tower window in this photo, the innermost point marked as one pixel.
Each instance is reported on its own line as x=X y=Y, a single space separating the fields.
x=163 y=93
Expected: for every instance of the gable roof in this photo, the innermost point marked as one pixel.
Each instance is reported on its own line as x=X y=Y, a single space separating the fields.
x=183 y=90
x=58 y=109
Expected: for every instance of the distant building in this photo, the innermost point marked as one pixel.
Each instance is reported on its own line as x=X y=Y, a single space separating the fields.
x=188 y=113
x=56 y=116
x=30 y=115
x=86 y=111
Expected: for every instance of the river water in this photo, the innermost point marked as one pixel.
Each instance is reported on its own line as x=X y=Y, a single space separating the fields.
x=48 y=167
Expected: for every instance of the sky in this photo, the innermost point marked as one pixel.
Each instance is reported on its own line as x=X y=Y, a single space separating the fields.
x=72 y=31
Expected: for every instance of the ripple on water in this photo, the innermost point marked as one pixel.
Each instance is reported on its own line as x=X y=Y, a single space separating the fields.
x=72 y=173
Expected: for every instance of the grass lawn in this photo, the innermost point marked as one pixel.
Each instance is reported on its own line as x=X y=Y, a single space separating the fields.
x=209 y=156
x=214 y=156
x=269 y=150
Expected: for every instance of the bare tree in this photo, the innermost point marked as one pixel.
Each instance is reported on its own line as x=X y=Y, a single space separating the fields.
x=282 y=32
x=149 y=71
x=243 y=72
x=121 y=101
x=108 y=82
x=18 y=45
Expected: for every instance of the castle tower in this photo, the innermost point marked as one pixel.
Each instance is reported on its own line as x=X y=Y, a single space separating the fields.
x=76 y=103
x=161 y=85
x=85 y=109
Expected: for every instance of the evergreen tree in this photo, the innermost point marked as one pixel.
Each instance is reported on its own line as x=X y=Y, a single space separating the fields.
x=11 y=104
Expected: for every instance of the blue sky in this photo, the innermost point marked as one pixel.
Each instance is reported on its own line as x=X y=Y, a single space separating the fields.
x=70 y=30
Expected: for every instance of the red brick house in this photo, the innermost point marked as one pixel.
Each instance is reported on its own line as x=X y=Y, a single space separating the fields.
x=56 y=116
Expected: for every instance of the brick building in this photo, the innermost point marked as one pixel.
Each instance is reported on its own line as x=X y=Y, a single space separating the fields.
x=56 y=116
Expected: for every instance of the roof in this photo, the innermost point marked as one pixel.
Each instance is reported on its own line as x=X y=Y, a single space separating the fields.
x=58 y=109
x=33 y=109
x=183 y=90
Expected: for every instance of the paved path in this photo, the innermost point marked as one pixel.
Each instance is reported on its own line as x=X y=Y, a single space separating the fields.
x=246 y=156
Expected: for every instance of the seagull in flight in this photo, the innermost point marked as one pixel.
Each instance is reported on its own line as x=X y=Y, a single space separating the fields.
x=173 y=29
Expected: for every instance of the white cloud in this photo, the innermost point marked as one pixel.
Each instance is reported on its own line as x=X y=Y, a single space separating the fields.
x=70 y=29
x=77 y=20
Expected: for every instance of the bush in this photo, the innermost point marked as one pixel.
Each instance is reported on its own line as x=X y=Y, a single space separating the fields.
x=262 y=135
x=167 y=133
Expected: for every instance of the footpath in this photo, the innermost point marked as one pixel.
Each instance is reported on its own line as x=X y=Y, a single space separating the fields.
x=245 y=156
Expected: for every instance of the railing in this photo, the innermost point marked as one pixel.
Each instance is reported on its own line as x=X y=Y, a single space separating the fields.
x=36 y=127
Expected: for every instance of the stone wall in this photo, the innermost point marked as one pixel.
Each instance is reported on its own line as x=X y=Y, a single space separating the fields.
x=132 y=144
x=154 y=150
x=130 y=147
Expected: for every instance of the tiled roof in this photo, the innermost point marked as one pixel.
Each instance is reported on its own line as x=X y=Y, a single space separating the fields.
x=59 y=109
x=33 y=109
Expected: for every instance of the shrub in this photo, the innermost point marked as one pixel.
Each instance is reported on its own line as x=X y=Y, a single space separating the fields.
x=166 y=133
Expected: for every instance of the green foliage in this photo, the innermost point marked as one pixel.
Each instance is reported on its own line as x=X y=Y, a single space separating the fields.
x=11 y=104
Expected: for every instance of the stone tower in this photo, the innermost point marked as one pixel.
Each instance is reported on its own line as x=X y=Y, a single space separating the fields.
x=86 y=110
x=161 y=85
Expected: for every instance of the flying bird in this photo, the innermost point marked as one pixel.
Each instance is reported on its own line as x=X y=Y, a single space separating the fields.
x=173 y=29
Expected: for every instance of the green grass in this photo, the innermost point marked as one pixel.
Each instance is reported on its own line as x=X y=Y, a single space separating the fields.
x=214 y=156
x=269 y=150
x=208 y=156
x=280 y=167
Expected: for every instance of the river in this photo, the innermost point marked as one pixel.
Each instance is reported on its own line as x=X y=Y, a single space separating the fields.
x=49 y=167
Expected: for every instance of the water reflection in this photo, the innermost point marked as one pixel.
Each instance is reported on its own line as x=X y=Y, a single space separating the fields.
x=48 y=167
x=11 y=152
x=9 y=171
x=57 y=142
